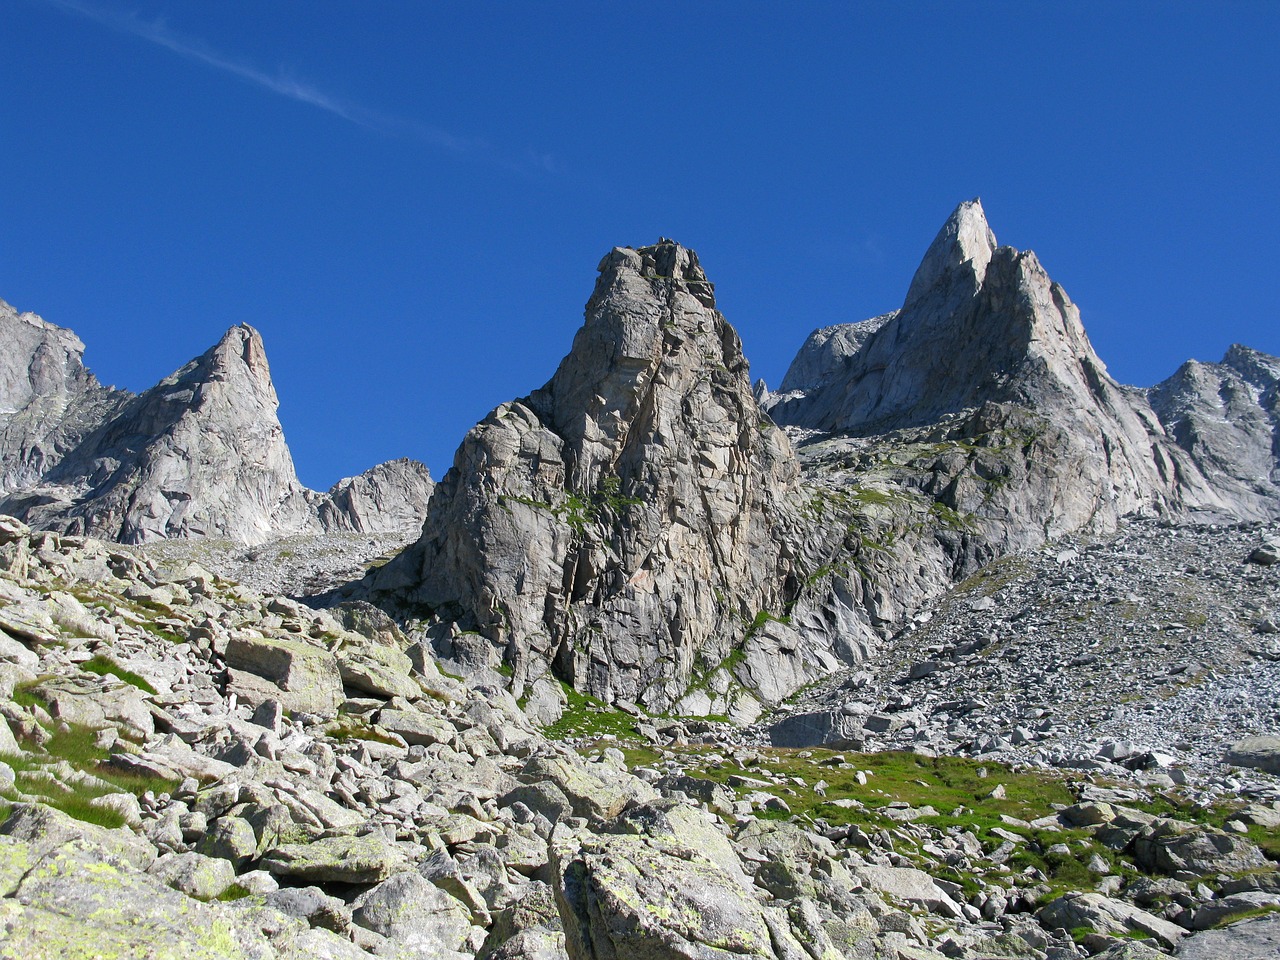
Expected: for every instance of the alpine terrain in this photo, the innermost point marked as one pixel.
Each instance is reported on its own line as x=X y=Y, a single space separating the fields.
x=951 y=647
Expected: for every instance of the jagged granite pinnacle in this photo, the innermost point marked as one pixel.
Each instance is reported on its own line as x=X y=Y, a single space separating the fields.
x=622 y=523
x=201 y=454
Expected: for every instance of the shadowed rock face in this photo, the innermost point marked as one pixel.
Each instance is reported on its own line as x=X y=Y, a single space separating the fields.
x=1226 y=416
x=201 y=454
x=623 y=522
x=48 y=400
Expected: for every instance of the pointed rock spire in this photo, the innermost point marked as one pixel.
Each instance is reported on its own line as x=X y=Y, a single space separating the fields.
x=201 y=454
x=964 y=242
x=617 y=525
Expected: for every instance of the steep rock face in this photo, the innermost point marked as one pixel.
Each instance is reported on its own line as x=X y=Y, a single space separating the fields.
x=623 y=522
x=984 y=339
x=48 y=400
x=201 y=454
x=823 y=354
x=1226 y=416
x=390 y=496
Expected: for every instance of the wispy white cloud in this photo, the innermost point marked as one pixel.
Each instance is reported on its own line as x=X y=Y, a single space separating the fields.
x=282 y=83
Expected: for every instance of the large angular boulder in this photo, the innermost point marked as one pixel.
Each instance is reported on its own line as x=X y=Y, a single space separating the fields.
x=653 y=895
x=1261 y=753
x=1186 y=851
x=303 y=677
x=79 y=901
x=366 y=859
x=420 y=918
x=1105 y=915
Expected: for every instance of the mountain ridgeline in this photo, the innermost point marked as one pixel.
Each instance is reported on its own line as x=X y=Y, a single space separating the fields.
x=647 y=527
x=201 y=454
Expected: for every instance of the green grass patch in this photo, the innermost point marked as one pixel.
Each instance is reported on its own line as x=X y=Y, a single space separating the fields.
x=35 y=774
x=105 y=666
x=1250 y=914
x=25 y=695
x=161 y=632
x=587 y=717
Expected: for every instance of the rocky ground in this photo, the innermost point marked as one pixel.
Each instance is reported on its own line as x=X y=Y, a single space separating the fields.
x=301 y=565
x=191 y=768
x=1153 y=649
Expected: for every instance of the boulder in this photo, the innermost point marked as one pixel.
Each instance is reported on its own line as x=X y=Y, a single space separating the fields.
x=366 y=859
x=829 y=728
x=1260 y=753
x=378 y=670
x=1186 y=851
x=1256 y=939
x=201 y=877
x=1105 y=915
x=98 y=702
x=423 y=920
x=1266 y=555
x=635 y=897
x=46 y=829
x=303 y=677
x=80 y=901
x=589 y=795
x=910 y=886
x=1222 y=909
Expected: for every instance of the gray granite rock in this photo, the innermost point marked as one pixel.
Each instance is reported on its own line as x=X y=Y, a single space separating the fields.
x=202 y=454
x=622 y=521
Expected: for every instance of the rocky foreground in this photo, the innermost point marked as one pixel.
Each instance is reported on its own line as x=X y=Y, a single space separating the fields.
x=194 y=769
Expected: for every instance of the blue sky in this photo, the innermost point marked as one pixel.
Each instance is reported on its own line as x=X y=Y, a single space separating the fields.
x=409 y=199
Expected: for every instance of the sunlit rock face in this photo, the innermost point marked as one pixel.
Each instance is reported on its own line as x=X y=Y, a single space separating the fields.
x=625 y=522
x=201 y=454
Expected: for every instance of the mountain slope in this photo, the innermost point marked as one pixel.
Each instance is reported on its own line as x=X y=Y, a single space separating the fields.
x=49 y=401
x=984 y=325
x=201 y=454
x=1226 y=416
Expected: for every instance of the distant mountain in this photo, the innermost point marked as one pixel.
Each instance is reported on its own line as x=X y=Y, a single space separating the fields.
x=641 y=529
x=647 y=528
x=984 y=324
x=201 y=454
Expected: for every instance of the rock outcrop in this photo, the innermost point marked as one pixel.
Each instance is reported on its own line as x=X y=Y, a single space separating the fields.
x=988 y=346
x=625 y=522
x=49 y=401
x=200 y=455
x=639 y=528
x=389 y=496
x=1226 y=416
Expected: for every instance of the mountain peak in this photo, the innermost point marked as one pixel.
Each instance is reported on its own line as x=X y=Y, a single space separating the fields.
x=965 y=240
x=664 y=260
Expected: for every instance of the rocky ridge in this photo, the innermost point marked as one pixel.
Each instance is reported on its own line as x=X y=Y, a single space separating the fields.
x=272 y=779
x=200 y=455
x=624 y=525
x=639 y=529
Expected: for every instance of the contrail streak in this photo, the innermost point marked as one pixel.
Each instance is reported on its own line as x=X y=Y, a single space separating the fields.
x=190 y=48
